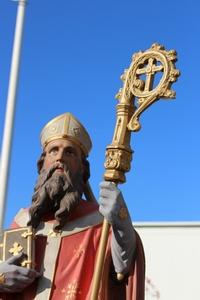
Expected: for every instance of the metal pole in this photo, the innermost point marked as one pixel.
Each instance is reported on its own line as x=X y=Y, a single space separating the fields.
x=10 y=109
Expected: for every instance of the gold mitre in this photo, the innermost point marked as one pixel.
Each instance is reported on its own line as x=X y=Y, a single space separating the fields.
x=66 y=126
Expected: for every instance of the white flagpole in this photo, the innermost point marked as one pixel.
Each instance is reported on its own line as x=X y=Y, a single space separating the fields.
x=10 y=109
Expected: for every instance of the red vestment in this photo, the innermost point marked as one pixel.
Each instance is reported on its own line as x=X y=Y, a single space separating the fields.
x=69 y=264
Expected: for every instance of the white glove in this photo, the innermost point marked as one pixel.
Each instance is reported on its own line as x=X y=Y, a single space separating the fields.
x=13 y=277
x=123 y=239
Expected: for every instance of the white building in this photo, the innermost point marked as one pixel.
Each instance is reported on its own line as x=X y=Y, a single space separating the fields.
x=172 y=252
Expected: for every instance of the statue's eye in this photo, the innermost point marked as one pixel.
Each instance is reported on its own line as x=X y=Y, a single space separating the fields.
x=53 y=151
x=70 y=151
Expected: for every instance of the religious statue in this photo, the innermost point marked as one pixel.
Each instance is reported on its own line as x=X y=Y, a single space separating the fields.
x=66 y=223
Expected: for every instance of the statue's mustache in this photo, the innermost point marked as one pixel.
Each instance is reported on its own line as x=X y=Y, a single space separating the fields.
x=47 y=174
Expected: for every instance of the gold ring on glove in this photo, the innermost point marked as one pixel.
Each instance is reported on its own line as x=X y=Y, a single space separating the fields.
x=123 y=214
x=2 y=278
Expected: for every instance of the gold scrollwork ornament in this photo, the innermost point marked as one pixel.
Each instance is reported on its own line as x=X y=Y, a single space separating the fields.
x=149 y=78
x=117 y=162
x=140 y=80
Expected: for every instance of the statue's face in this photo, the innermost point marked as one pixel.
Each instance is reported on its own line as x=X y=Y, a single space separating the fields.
x=65 y=152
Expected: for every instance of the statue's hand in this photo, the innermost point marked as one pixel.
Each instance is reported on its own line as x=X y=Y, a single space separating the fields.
x=111 y=203
x=123 y=239
x=14 y=278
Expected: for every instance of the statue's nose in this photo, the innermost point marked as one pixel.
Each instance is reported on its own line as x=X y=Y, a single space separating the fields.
x=60 y=156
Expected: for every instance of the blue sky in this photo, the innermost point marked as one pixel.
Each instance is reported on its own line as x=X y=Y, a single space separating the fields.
x=73 y=55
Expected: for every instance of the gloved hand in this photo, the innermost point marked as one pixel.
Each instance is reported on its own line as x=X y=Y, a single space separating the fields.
x=14 y=278
x=123 y=239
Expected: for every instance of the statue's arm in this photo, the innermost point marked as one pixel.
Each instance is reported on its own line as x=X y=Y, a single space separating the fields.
x=123 y=239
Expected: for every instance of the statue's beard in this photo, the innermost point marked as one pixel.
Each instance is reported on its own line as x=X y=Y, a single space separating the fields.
x=55 y=192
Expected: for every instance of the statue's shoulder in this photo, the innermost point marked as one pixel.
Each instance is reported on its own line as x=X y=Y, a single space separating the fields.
x=22 y=217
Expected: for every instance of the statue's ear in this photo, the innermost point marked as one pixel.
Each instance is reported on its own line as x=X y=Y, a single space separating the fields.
x=40 y=162
x=86 y=169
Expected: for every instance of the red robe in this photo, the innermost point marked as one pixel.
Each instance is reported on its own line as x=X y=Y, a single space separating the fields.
x=69 y=261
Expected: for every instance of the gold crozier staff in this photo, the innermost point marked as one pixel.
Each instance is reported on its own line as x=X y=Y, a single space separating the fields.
x=119 y=154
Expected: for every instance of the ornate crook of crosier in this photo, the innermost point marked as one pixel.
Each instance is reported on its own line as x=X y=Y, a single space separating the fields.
x=148 y=79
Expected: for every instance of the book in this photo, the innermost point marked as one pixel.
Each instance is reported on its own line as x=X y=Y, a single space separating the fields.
x=15 y=241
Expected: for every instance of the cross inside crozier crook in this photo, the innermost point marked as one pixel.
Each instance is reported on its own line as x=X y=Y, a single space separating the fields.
x=148 y=63
x=150 y=70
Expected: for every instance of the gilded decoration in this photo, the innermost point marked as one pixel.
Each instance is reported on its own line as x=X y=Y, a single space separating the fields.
x=26 y=234
x=117 y=162
x=79 y=251
x=118 y=159
x=15 y=241
x=148 y=79
x=16 y=249
x=123 y=213
x=2 y=278
x=53 y=233
x=72 y=290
